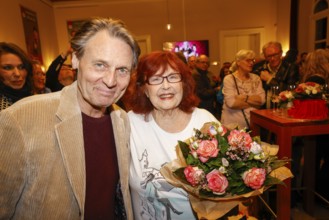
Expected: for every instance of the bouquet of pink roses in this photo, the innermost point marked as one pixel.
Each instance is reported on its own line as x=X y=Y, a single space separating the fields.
x=218 y=164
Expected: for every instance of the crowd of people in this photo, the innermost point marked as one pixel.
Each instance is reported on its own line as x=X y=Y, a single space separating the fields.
x=73 y=153
x=22 y=76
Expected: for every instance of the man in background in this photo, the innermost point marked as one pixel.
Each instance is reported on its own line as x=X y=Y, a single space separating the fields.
x=60 y=74
x=191 y=62
x=274 y=70
x=205 y=86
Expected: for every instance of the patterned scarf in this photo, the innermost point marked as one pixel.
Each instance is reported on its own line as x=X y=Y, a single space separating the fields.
x=15 y=94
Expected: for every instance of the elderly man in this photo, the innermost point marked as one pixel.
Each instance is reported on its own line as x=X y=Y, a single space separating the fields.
x=65 y=155
x=275 y=71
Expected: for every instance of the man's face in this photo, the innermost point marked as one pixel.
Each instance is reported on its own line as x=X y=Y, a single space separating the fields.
x=66 y=75
x=191 y=62
x=203 y=63
x=103 y=73
x=273 y=56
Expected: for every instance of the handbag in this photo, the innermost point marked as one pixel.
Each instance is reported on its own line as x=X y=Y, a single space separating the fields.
x=244 y=114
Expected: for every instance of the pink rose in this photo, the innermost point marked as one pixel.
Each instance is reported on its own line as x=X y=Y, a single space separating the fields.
x=239 y=139
x=193 y=175
x=217 y=182
x=207 y=149
x=254 y=177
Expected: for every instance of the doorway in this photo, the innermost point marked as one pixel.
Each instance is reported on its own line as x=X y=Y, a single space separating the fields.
x=144 y=42
x=231 y=41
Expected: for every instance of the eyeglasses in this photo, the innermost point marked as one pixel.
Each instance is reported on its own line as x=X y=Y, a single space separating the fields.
x=157 y=80
x=250 y=60
x=275 y=55
x=203 y=62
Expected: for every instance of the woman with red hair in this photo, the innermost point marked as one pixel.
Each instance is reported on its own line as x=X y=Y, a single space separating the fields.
x=163 y=107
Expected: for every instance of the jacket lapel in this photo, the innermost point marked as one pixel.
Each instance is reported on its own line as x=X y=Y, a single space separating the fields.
x=120 y=135
x=121 y=130
x=69 y=134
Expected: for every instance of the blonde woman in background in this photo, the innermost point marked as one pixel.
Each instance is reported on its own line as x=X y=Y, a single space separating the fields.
x=316 y=67
x=243 y=91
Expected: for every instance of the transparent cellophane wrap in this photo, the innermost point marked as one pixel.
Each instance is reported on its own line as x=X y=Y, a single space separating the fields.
x=216 y=207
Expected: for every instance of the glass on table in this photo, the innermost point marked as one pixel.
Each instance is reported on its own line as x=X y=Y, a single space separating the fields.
x=275 y=97
x=326 y=91
x=291 y=87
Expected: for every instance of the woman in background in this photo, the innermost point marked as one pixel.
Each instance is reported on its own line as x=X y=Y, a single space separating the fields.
x=316 y=69
x=163 y=110
x=15 y=74
x=243 y=91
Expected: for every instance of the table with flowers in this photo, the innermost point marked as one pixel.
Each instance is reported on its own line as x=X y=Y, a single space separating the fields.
x=286 y=127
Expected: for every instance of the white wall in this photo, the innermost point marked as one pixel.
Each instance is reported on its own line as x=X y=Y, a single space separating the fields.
x=190 y=19
x=12 y=30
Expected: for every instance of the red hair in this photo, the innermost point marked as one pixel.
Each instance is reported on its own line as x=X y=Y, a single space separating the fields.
x=148 y=65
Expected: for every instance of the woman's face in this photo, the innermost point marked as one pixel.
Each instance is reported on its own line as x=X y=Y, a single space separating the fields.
x=12 y=71
x=39 y=77
x=165 y=96
x=246 y=65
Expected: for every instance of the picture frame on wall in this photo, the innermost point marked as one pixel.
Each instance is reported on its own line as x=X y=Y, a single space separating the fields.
x=188 y=47
x=31 y=32
x=73 y=26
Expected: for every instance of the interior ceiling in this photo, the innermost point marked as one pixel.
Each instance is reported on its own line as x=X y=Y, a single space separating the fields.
x=77 y=3
x=63 y=0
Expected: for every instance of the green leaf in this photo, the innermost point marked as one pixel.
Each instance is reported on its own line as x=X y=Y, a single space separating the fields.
x=272 y=181
x=204 y=167
x=257 y=139
x=236 y=184
x=278 y=163
x=214 y=162
x=191 y=160
x=238 y=164
x=203 y=193
x=184 y=147
x=179 y=173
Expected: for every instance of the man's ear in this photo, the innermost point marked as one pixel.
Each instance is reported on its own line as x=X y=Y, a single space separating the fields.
x=75 y=61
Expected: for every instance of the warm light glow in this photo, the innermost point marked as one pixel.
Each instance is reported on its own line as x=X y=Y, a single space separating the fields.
x=285 y=48
x=168 y=17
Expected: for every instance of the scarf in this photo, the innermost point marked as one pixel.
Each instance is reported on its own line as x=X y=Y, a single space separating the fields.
x=15 y=94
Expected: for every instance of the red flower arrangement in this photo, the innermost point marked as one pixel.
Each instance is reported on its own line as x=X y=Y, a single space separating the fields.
x=308 y=102
x=308 y=90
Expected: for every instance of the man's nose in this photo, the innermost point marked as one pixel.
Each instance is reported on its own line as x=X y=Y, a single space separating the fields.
x=110 y=78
